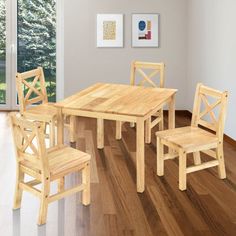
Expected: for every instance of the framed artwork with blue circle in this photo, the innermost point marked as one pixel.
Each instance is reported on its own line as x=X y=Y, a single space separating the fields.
x=145 y=30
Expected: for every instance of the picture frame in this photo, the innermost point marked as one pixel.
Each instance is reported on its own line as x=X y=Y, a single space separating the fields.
x=145 y=30
x=110 y=30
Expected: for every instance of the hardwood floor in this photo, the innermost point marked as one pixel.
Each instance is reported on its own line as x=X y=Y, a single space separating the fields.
x=208 y=207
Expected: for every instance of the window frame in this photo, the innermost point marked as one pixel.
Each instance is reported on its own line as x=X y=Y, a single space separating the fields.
x=11 y=53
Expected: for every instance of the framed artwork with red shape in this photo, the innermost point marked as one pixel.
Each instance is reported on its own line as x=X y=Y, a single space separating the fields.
x=145 y=30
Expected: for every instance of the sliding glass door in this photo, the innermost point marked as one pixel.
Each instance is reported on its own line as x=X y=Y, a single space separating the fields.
x=3 y=83
x=36 y=39
x=28 y=39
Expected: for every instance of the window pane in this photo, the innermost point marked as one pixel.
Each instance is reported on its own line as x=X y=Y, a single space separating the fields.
x=37 y=40
x=2 y=51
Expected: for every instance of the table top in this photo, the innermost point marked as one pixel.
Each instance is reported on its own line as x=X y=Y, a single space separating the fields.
x=118 y=99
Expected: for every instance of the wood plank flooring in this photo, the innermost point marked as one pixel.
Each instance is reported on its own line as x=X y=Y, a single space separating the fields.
x=208 y=207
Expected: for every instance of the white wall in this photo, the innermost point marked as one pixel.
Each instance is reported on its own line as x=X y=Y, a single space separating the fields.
x=198 y=44
x=212 y=51
x=85 y=64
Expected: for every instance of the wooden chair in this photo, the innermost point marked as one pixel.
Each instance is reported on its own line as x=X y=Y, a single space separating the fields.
x=34 y=83
x=154 y=69
x=204 y=135
x=45 y=165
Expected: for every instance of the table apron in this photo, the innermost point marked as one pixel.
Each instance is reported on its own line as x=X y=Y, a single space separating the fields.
x=154 y=111
x=110 y=116
x=101 y=115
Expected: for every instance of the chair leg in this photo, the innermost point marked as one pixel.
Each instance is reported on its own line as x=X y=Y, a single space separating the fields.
x=160 y=157
x=221 y=166
x=161 y=123
x=86 y=182
x=52 y=133
x=44 y=202
x=118 y=130
x=197 y=158
x=182 y=170
x=18 y=191
x=148 y=130
x=61 y=184
x=72 y=129
x=45 y=129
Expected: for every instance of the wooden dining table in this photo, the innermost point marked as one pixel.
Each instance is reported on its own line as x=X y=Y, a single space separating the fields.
x=121 y=103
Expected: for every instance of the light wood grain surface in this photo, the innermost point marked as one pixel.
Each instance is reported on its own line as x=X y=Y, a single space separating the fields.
x=34 y=103
x=194 y=139
x=147 y=74
x=207 y=207
x=120 y=103
x=45 y=165
x=118 y=99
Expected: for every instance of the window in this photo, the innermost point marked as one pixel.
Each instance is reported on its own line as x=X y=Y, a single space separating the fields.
x=36 y=39
x=31 y=27
x=2 y=51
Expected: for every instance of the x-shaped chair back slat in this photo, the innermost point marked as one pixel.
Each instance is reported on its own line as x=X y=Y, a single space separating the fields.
x=29 y=141
x=31 y=88
x=209 y=109
x=214 y=104
x=154 y=69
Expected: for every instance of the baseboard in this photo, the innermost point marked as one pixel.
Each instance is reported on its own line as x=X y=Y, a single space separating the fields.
x=185 y=113
x=181 y=112
x=230 y=140
x=9 y=111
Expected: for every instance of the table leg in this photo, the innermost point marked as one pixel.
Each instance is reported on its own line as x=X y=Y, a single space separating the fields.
x=60 y=127
x=118 y=130
x=148 y=130
x=100 y=133
x=171 y=117
x=140 y=172
x=72 y=128
x=171 y=113
x=52 y=133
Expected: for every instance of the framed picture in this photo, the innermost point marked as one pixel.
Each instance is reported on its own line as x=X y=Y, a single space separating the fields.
x=110 y=30
x=145 y=30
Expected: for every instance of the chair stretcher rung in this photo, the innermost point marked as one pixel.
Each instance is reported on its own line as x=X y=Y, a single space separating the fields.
x=33 y=182
x=155 y=122
x=30 y=189
x=203 y=166
x=169 y=156
x=63 y=194
x=210 y=153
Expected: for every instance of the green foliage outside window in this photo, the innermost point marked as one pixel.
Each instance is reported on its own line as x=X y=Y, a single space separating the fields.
x=2 y=51
x=36 y=39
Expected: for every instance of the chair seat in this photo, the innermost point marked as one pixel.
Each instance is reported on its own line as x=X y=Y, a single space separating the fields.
x=189 y=138
x=61 y=161
x=43 y=112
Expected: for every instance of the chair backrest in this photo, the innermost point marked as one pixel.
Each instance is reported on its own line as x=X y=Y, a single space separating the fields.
x=142 y=68
x=31 y=88
x=29 y=141
x=209 y=109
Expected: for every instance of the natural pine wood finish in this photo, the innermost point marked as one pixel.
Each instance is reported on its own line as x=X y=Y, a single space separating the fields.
x=100 y=133
x=207 y=207
x=45 y=165
x=151 y=80
x=194 y=139
x=122 y=103
x=155 y=69
x=44 y=111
